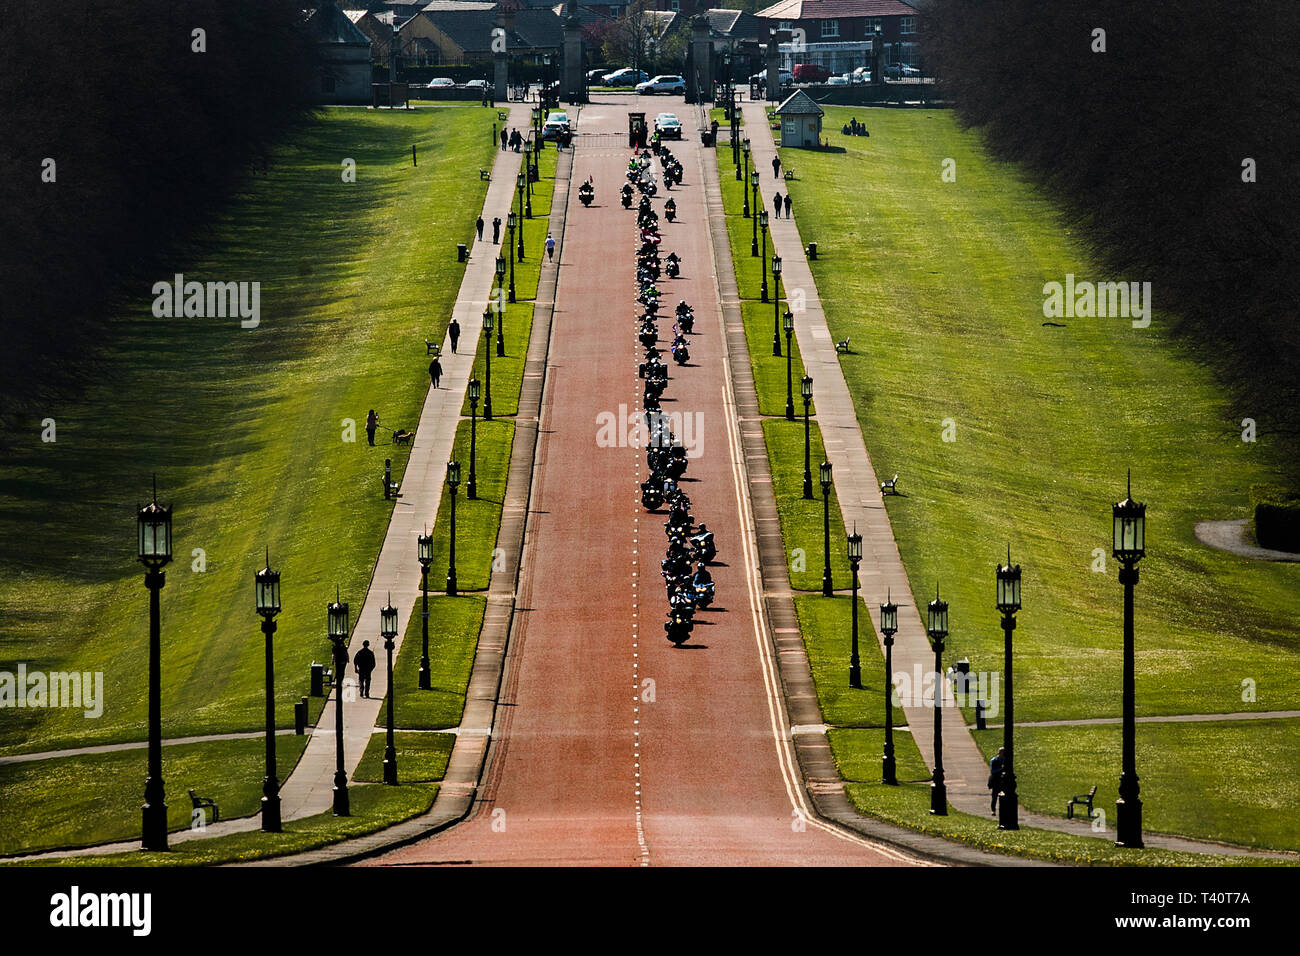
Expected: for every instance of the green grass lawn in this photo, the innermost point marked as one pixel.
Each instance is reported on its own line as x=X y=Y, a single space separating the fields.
x=1217 y=780
x=373 y=807
x=477 y=521
x=803 y=522
x=946 y=279
x=857 y=752
x=244 y=429
x=421 y=757
x=454 y=626
x=96 y=798
x=507 y=370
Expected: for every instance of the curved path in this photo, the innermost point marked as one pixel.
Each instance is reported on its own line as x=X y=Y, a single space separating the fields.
x=611 y=746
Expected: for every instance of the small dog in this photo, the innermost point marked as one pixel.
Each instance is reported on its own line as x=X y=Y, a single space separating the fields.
x=402 y=437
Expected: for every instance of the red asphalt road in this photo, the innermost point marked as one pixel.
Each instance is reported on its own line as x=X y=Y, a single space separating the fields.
x=586 y=771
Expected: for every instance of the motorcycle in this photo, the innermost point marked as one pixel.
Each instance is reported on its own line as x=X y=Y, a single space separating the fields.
x=586 y=193
x=678 y=534
x=670 y=210
x=652 y=497
x=703 y=591
x=677 y=462
x=626 y=200
x=673 y=267
x=703 y=549
x=678 y=628
x=681 y=354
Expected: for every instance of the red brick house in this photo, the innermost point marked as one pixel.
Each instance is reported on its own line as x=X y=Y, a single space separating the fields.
x=838 y=33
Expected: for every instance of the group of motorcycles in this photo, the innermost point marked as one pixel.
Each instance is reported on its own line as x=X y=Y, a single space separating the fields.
x=690 y=549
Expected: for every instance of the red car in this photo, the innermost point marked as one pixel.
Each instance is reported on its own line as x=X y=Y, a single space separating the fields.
x=811 y=73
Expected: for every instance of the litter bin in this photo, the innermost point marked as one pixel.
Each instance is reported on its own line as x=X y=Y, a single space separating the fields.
x=462 y=252
x=300 y=717
x=317 y=679
x=812 y=250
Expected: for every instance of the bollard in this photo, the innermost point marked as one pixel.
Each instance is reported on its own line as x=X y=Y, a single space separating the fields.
x=979 y=715
x=461 y=252
x=300 y=717
x=413 y=159
x=812 y=250
x=317 y=679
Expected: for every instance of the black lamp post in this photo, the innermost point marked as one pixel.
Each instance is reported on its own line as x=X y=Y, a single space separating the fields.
x=424 y=546
x=744 y=149
x=805 y=390
x=501 y=281
x=267 y=587
x=753 y=184
x=510 y=224
x=519 y=185
x=528 y=180
x=1129 y=546
x=388 y=631
x=338 y=631
x=855 y=558
x=889 y=627
x=938 y=630
x=453 y=479
x=788 y=321
x=487 y=364
x=827 y=588
x=762 y=225
x=471 y=487
x=776 y=307
x=1008 y=602
x=154 y=531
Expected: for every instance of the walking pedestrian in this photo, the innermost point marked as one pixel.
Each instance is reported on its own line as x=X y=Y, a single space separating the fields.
x=496 y=231
x=364 y=662
x=996 y=768
x=550 y=246
x=776 y=204
x=435 y=371
x=503 y=139
x=453 y=333
x=478 y=224
x=372 y=422
x=776 y=167
x=787 y=205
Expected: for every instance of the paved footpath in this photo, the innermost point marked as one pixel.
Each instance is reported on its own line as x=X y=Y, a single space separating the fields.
x=610 y=746
x=310 y=787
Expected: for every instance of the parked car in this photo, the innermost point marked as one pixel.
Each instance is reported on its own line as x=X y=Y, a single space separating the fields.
x=841 y=79
x=477 y=85
x=668 y=126
x=663 y=83
x=625 y=77
x=894 y=71
x=761 y=77
x=811 y=73
x=909 y=70
x=555 y=124
x=440 y=83
x=595 y=76
x=861 y=75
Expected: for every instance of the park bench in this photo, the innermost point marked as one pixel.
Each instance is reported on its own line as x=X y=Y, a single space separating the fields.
x=484 y=174
x=1082 y=800
x=432 y=349
x=842 y=347
x=203 y=803
x=889 y=486
x=789 y=172
x=503 y=115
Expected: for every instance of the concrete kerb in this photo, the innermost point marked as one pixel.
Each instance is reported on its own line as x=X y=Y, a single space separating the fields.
x=472 y=754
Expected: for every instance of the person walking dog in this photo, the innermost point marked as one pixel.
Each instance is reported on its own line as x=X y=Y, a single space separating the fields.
x=372 y=423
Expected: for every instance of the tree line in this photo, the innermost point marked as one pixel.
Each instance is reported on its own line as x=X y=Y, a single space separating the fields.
x=124 y=127
x=1168 y=127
